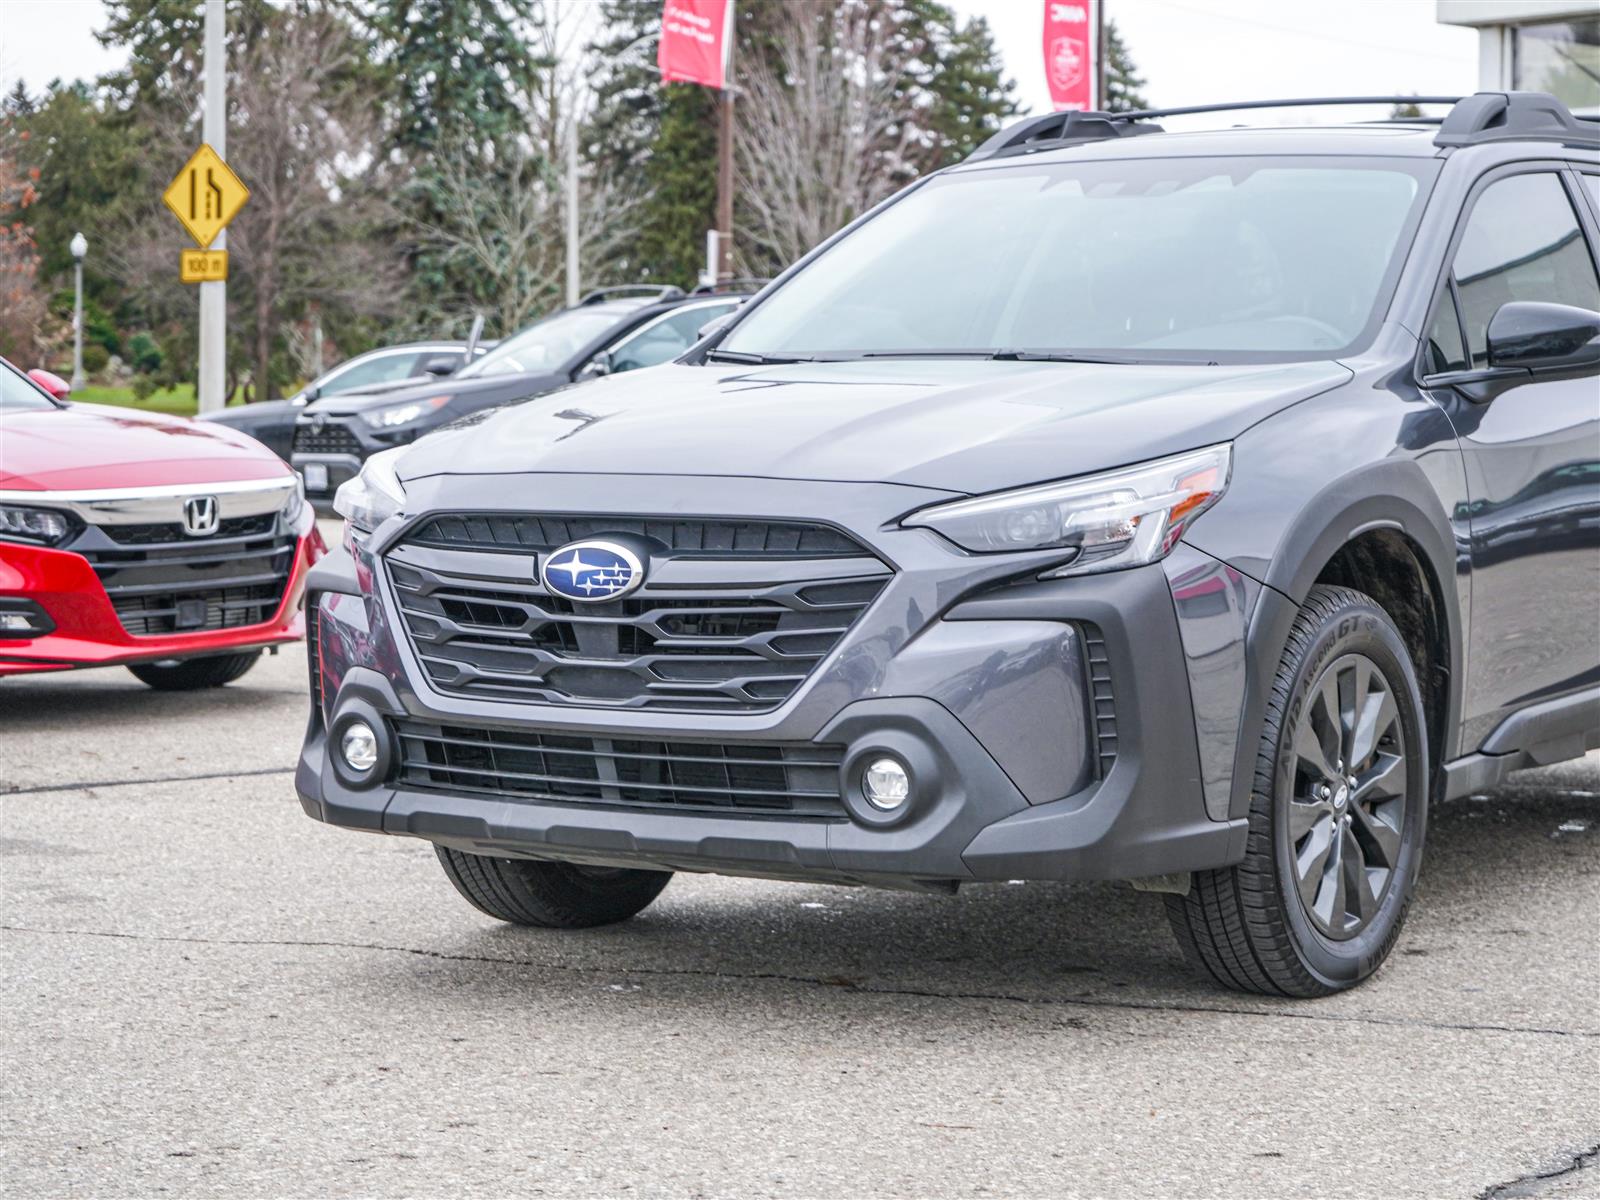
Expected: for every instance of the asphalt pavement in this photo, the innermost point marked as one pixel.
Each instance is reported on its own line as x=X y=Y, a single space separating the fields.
x=205 y=993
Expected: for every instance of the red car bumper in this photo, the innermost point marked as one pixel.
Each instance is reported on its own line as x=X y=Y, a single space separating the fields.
x=88 y=631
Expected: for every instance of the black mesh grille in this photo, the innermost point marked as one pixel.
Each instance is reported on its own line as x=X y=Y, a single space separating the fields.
x=1104 y=714
x=483 y=625
x=332 y=438
x=196 y=584
x=717 y=539
x=797 y=780
x=228 y=527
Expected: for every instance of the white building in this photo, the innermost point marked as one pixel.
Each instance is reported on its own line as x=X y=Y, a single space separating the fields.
x=1535 y=46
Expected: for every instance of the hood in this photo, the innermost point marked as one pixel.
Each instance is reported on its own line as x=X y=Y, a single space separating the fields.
x=86 y=446
x=504 y=387
x=244 y=415
x=958 y=425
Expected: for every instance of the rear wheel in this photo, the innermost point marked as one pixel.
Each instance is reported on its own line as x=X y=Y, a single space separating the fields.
x=192 y=673
x=1337 y=814
x=550 y=895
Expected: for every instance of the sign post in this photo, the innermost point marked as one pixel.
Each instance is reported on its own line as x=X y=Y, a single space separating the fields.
x=1072 y=54
x=214 y=295
x=696 y=47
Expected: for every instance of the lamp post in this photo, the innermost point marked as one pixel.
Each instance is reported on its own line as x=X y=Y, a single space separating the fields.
x=79 y=247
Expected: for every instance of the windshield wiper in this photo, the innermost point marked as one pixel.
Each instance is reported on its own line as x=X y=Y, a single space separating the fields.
x=1052 y=356
x=755 y=360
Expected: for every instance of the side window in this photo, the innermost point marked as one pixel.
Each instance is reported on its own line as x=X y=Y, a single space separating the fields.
x=1522 y=242
x=666 y=339
x=385 y=368
x=1592 y=182
x=1445 y=349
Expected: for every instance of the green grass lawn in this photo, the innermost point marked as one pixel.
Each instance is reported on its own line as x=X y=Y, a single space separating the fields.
x=180 y=401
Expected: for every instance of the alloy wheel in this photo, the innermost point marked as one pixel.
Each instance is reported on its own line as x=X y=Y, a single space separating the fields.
x=1347 y=808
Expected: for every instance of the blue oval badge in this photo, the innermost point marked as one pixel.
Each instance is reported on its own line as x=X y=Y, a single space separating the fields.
x=590 y=572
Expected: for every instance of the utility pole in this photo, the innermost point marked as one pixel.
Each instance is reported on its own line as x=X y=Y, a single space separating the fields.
x=725 y=182
x=214 y=296
x=572 y=212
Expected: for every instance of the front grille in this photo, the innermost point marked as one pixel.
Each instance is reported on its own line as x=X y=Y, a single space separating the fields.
x=332 y=438
x=795 y=780
x=228 y=527
x=741 y=638
x=196 y=584
x=715 y=539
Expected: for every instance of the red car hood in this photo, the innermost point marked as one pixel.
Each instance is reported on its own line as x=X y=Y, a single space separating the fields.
x=92 y=446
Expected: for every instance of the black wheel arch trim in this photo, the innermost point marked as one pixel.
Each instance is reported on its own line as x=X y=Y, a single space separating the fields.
x=1391 y=494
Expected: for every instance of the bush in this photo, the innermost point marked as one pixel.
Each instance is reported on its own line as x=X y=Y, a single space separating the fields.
x=144 y=354
x=143 y=388
x=95 y=358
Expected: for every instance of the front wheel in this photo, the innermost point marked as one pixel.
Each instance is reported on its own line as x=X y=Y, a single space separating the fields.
x=1337 y=814
x=550 y=895
x=192 y=673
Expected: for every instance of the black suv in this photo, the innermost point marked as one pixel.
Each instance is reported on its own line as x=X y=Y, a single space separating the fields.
x=610 y=330
x=1188 y=508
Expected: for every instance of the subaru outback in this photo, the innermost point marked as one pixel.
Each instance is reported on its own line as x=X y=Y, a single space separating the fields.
x=1194 y=509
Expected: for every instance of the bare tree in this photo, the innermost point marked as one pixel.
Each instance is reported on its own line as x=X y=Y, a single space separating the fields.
x=505 y=216
x=822 y=129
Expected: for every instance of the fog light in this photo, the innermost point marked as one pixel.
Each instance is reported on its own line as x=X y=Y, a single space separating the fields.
x=885 y=784
x=359 y=745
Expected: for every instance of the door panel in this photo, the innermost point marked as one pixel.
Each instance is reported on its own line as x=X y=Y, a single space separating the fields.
x=1532 y=456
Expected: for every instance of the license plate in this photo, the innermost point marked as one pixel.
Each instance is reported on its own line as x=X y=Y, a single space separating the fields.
x=316 y=477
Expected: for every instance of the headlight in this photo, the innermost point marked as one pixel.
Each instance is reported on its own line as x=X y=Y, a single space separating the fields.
x=295 y=504
x=373 y=496
x=33 y=524
x=1119 y=519
x=403 y=414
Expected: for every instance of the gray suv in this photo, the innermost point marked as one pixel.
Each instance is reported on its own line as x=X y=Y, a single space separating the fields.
x=1187 y=508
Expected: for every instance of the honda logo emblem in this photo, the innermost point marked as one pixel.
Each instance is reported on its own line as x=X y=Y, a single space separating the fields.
x=200 y=515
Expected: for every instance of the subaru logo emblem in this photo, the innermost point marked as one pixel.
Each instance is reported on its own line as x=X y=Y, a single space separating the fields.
x=592 y=571
x=200 y=515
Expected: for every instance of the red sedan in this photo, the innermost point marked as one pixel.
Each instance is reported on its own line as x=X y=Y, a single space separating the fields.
x=176 y=549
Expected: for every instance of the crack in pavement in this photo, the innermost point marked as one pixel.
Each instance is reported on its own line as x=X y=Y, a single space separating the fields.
x=1532 y=1185
x=823 y=981
x=111 y=783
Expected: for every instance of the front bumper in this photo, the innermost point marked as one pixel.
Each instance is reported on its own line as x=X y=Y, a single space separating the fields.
x=1048 y=728
x=85 y=630
x=327 y=450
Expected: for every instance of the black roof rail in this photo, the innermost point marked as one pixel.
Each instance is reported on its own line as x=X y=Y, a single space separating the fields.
x=1512 y=117
x=745 y=283
x=659 y=292
x=1484 y=117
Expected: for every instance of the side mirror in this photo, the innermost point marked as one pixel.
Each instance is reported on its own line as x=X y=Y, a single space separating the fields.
x=1544 y=338
x=595 y=368
x=440 y=367
x=52 y=383
x=311 y=393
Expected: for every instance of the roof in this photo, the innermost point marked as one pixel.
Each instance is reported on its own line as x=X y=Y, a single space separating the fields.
x=1376 y=140
x=1486 y=117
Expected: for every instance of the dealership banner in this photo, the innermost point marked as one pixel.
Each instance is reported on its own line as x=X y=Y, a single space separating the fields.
x=696 y=36
x=1070 y=48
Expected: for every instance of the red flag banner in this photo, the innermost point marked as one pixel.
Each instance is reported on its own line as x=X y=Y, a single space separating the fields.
x=1069 y=53
x=694 y=42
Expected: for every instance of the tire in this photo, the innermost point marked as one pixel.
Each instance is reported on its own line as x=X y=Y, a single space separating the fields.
x=194 y=673
x=550 y=895
x=1329 y=871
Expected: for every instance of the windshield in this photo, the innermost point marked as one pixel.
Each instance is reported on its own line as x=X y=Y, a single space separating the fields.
x=17 y=392
x=544 y=346
x=1152 y=260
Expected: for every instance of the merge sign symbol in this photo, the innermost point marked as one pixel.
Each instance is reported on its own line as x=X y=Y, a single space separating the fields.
x=205 y=196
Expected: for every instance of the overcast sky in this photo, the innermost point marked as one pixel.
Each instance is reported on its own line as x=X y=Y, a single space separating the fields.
x=1190 y=51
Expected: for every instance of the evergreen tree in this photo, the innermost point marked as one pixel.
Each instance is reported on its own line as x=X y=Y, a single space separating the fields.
x=1123 y=81
x=963 y=93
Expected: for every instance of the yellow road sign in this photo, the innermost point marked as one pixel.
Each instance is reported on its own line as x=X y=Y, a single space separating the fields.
x=203 y=266
x=205 y=196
